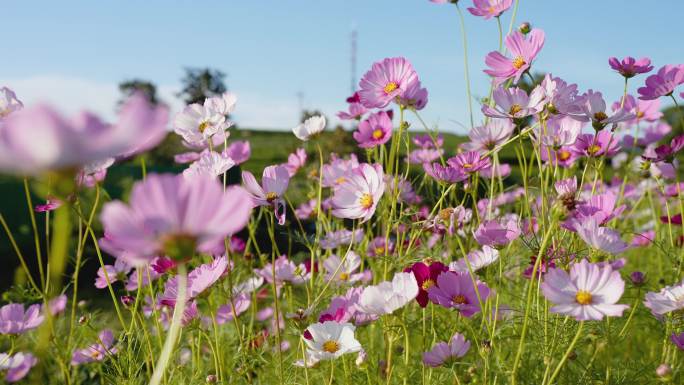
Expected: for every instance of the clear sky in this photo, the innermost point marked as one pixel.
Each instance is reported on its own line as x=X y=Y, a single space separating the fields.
x=74 y=53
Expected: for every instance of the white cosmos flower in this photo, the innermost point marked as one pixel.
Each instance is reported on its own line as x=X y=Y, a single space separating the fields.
x=387 y=297
x=210 y=163
x=249 y=285
x=224 y=104
x=478 y=259
x=600 y=238
x=312 y=126
x=197 y=123
x=330 y=340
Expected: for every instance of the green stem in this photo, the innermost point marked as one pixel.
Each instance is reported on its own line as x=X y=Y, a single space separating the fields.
x=567 y=353
x=465 y=66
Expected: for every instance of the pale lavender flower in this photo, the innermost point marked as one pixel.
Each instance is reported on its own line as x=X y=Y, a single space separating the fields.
x=589 y=292
x=285 y=271
x=239 y=151
x=341 y=237
x=295 y=161
x=14 y=320
x=456 y=290
x=600 y=238
x=17 y=365
x=497 y=233
x=341 y=271
x=477 y=259
x=487 y=137
x=97 y=351
x=338 y=171
x=198 y=281
x=668 y=299
x=663 y=83
x=489 y=8
x=210 y=163
x=442 y=352
x=594 y=110
x=514 y=103
x=445 y=174
x=117 y=272
x=274 y=182
x=358 y=196
x=8 y=102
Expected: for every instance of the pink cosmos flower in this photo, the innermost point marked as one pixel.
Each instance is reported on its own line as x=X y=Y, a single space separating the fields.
x=67 y=144
x=199 y=280
x=523 y=48
x=285 y=271
x=93 y=173
x=415 y=97
x=643 y=110
x=629 y=67
x=339 y=170
x=663 y=83
x=666 y=152
x=442 y=352
x=13 y=319
x=97 y=351
x=307 y=209
x=469 y=162
x=488 y=136
x=594 y=110
x=8 y=102
x=56 y=305
x=560 y=97
x=589 y=292
x=386 y=81
x=241 y=303
x=118 y=272
x=497 y=233
x=600 y=238
x=602 y=144
x=559 y=131
x=379 y=247
x=374 y=131
x=426 y=276
x=174 y=216
x=186 y=157
x=668 y=299
x=358 y=196
x=343 y=272
x=643 y=239
x=428 y=141
x=51 y=203
x=341 y=237
x=239 y=151
x=149 y=120
x=210 y=163
x=424 y=155
x=295 y=161
x=445 y=174
x=17 y=365
x=489 y=8
x=514 y=103
x=355 y=111
x=274 y=182
x=456 y=290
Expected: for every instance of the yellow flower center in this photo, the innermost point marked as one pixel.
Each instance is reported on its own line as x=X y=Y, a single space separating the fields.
x=95 y=354
x=271 y=196
x=340 y=180
x=379 y=250
x=377 y=134
x=583 y=297
x=445 y=214
x=467 y=165
x=460 y=299
x=491 y=10
x=564 y=155
x=390 y=87
x=344 y=276
x=593 y=149
x=366 y=201
x=515 y=109
x=518 y=62
x=600 y=116
x=203 y=126
x=640 y=114
x=331 y=346
x=428 y=284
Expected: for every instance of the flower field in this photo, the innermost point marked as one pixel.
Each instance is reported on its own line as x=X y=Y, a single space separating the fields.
x=546 y=247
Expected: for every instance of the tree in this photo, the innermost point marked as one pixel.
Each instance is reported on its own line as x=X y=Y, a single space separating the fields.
x=147 y=88
x=200 y=83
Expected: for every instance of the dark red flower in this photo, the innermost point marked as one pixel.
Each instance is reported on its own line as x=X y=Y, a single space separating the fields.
x=426 y=275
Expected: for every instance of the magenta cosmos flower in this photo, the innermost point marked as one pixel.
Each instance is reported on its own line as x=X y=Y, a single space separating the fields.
x=387 y=80
x=523 y=50
x=442 y=352
x=629 y=67
x=662 y=83
x=374 y=131
x=604 y=143
x=469 y=162
x=426 y=276
x=456 y=290
x=445 y=174
x=174 y=216
x=489 y=8
x=14 y=320
x=589 y=292
x=274 y=182
x=415 y=97
x=97 y=351
x=359 y=195
x=17 y=365
x=38 y=139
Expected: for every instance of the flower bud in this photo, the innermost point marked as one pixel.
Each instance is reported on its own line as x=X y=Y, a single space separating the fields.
x=525 y=28
x=212 y=379
x=638 y=278
x=664 y=370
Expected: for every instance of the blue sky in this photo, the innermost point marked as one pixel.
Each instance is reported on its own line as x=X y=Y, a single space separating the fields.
x=74 y=53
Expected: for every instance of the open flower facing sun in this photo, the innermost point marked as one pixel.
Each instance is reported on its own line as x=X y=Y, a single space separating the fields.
x=358 y=196
x=386 y=81
x=330 y=340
